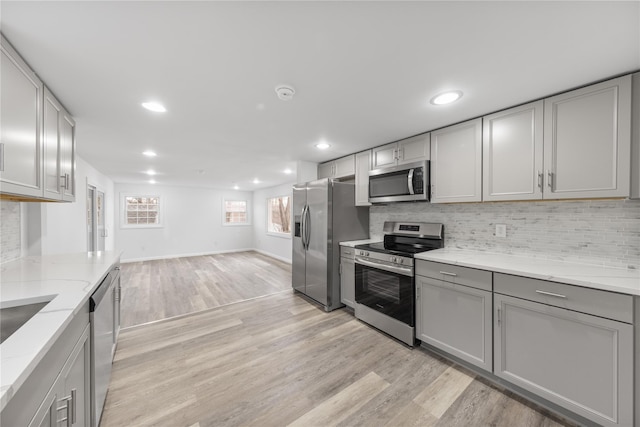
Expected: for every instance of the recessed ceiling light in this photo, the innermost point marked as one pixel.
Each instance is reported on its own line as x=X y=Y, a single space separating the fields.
x=154 y=106
x=149 y=153
x=235 y=187
x=150 y=172
x=152 y=181
x=322 y=145
x=446 y=97
x=256 y=181
x=288 y=171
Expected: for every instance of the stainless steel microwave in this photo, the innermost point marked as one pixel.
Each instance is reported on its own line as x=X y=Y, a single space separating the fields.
x=403 y=183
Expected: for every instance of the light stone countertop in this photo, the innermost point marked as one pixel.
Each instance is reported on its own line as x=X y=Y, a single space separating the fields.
x=67 y=281
x=353 y=243
x=626 y=281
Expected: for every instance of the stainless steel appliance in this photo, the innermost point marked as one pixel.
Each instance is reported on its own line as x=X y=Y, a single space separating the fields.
x=385 y=287
x=324 y=215
x=104 y=328
x=404 y=183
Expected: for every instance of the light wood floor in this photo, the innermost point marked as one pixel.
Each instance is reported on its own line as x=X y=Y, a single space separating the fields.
x=154 y=290
x=281 y=361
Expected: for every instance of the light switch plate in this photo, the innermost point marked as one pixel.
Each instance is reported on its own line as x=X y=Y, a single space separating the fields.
x=501 y=230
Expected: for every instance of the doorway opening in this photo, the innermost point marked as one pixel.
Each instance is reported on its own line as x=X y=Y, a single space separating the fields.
x=96 y=232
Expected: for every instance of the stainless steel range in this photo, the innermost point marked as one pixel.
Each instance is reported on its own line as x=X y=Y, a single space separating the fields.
x=385 y=288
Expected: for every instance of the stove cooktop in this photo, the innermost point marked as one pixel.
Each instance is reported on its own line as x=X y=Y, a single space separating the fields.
x=401 y=250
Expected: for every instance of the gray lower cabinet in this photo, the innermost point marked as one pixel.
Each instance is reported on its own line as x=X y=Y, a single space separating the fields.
x=347 y=277
x=578 y=361
x=456 y=319
x=57 y=393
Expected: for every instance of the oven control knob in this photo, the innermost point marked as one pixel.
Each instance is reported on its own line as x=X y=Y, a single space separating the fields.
x=367 y=254
x=393 y=259
x=401 y=261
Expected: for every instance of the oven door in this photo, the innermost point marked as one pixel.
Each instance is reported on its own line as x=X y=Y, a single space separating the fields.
x=386 y=288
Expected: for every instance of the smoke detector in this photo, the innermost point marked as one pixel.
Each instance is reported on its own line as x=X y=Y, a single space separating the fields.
x=285 y=92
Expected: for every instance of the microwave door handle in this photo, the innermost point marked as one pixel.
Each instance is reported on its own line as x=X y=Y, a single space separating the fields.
x=410 y=181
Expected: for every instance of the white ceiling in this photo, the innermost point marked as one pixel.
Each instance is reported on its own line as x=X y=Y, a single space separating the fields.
x=363 y=72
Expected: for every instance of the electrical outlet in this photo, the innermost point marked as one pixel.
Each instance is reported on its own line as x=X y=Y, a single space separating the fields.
x=501 y=230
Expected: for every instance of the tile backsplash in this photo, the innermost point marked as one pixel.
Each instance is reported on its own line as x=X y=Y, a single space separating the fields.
x=602 y=232
x=9 y=230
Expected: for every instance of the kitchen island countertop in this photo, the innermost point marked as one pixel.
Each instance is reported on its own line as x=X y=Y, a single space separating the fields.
x=626 y=281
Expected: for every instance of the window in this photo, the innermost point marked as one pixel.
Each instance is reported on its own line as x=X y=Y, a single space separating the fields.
x=279 y=215
x=141 y=211
x=235 y=212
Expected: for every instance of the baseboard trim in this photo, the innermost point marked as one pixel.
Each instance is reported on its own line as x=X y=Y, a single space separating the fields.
x=260 y=251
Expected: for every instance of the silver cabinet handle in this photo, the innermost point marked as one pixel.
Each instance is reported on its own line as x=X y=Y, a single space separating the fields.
x=64 y=186
x=446 y=273
x=73 y=406
x=549 y=179
x=551 y=294
x=1 y=156
x=400 y=153
x=67 y=179
x=540 y=180
x=69 y=408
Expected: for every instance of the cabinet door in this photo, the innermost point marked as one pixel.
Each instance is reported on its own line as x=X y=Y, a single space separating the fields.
x=587 y=141
x=414 y=149
x=345 y=166
x=325 y=170
x=51 y=137
x=456 y=163
x=512 y=153
x=20 y=133
x=383 y=156
x=456 y=319
x=68 y=156
x=363 y=165
x=76 y=382
x=580 y=362
x=635 y=137
x=347 y=282
x=47 y=414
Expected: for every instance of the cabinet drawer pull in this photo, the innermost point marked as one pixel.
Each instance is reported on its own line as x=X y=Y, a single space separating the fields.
x=540 y=180
x=551 y=294
x=446 y=273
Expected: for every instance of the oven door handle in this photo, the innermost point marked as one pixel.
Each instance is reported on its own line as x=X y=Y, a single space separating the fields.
x=390 y=268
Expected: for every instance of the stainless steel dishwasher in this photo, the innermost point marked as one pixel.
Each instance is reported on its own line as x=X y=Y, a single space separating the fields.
x=103 y=330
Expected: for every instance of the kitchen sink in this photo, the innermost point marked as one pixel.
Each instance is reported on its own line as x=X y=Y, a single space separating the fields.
x=12 y=318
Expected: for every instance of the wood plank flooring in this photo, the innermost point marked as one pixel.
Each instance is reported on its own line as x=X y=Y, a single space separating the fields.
x=154 y=290
x=282 y=361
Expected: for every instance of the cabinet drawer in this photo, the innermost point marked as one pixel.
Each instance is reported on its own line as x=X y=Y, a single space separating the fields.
x=480 y=279
x=586 y=300
x=347 y=252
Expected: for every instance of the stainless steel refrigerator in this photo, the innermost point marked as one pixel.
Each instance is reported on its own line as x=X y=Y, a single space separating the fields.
x=324 y=215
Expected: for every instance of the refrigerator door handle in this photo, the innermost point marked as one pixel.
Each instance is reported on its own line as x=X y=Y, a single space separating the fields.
x=303 y=227
x=307 y=226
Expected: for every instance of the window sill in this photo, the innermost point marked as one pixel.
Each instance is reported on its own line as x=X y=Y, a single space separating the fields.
x=280 y=235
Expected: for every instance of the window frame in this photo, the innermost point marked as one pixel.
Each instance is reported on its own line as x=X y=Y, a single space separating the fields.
x=268 y=219
x=123 y=211
x=224 y=212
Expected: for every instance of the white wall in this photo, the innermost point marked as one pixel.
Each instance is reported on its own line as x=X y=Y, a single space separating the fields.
x=54 y=228
x=191 y=224
x=275 y=246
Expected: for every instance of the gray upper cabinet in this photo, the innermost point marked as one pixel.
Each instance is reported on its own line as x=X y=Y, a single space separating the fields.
x=512 y=153
x=339 y=168
x=407 y=150
x=363 y=166
x=59 y=150
x=68 y=157
x=456 y=163
x=21 y=133
x=635 y=138
x=587 y=141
